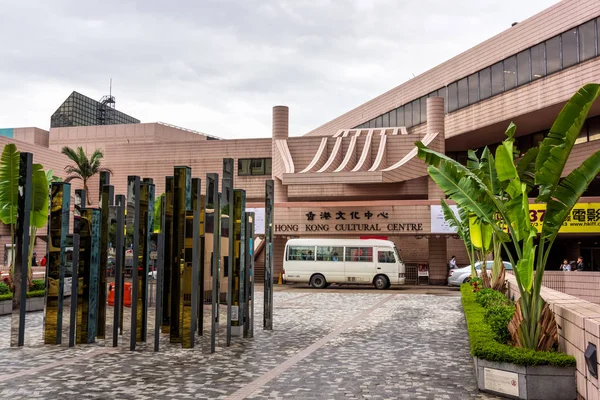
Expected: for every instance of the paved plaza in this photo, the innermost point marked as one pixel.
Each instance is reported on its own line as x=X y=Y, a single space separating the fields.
x=334 y=344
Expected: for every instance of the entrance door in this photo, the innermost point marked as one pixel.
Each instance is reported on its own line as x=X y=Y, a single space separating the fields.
x=591 y=258
x=386 y=263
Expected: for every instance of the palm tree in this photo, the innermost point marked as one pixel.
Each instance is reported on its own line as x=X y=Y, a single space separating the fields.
x=84 y=168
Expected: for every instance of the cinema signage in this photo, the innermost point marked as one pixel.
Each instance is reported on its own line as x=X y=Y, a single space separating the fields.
x=349 y=222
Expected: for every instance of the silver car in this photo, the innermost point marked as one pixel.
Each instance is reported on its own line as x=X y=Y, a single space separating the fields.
x=458 y=276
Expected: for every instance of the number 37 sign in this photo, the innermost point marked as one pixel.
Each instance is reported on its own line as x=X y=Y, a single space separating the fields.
x=584 y=217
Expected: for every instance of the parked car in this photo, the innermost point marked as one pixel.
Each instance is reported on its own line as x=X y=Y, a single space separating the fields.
x=458 y=276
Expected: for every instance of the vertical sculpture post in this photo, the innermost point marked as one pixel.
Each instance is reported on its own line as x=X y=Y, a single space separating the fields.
x=133 y=220
x=160 y=271
x=58 y=228
x=189 y=276
x=21 y=249
x=106 y=201
x=87 y=292
x=103 y=181
x=249 y=276
x=74 y=289
x=146 y=214
x=269 y=214
x=182 y=182
x=227 y=232
x=213 y=233
x=119 y=267
x=80 y=199
x=167 y=229
x=202 y=252
x=236 y=277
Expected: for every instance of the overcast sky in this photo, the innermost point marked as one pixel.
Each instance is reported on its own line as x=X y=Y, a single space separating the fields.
x=218 y=66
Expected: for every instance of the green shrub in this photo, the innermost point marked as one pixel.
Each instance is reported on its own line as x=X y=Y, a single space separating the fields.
x=497 y=316
x=36 y=293
x=487 y=297
x=4 y=289
x=484 y=346
x=6 y=296
x=37 y=284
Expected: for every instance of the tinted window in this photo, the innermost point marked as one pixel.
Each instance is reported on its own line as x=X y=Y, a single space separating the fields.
x=553 y=62
x=423 y=109
x=378 y=121
x=372 y=123
x=408 y=115
x=497 y=78
x=359 y=254
x=538 y=65
x=328 y=253
x=594 y=129
x=473 y=88
x=386 y=120
x=257 y=166
x=416 y=112
x=523 y=68
x=463 y=93
x=485 y=83
x=386 y=257
x=569 y=48
x=393 y=118
x=587 y=41
x=301 y=253
x=442 y=93
x=510 y=73
x=244 y=167
x=400 y=116
x=452 y=97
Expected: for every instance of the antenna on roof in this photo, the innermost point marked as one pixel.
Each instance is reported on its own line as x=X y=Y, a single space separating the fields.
x=110 y=88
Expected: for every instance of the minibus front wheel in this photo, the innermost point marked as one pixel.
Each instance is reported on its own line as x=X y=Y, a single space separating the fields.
x=381 y=282
x=318 y=281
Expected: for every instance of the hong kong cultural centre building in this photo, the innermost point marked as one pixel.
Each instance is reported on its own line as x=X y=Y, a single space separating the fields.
x=358 y=176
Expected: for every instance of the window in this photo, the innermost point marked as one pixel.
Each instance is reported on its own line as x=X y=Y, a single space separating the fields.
x=587 y=41
x=386 y=257
x=473 y=88
x=510 y=73
x=452 y=97
x=301 y=253
x=408 y=115
x=538 y=66
x=378 y=121
x=463 y=93
x=393 y=118
x=372 y=123
x=569 y=48
x=416 y=113
x=386 y=120
x=485 y=83
x=553 y=61
x=442 y=94
x=523 y=68
x=423 y=109
x=400 y=116
x=594 y=129
x=583 y=135
x=359 y=254
x=497 y=78
x=254 y=166
x=329 y=253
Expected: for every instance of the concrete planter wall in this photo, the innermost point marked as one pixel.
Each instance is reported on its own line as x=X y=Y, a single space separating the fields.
x=33 y=304
x=521 y=382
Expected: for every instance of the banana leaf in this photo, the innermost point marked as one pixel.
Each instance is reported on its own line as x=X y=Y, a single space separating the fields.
x=9 y=184
x=526 y=167
x=556 y=147
x=39 y=197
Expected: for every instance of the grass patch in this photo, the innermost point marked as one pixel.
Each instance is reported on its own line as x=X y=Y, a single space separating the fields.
x=483 y=344
x=36 y=293
x=7 y=296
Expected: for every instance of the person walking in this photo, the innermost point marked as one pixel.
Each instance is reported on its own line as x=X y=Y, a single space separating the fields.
x=565 y=266
x=452 y=263
x=33 y=260
x=580 y=264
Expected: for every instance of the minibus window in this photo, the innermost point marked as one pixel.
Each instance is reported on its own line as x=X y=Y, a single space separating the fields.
x=301 y=253
x=385 y=256
x=330 y=253
x=359 y=254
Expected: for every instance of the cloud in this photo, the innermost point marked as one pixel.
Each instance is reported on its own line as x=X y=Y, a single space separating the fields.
x=218 y=66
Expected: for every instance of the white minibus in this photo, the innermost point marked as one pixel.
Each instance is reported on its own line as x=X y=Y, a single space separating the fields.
x=321 y=262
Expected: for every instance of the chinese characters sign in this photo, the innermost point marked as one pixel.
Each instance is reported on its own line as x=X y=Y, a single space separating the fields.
x=584 y=218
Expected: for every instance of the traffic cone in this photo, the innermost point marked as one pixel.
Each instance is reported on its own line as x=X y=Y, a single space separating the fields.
x=280 y=280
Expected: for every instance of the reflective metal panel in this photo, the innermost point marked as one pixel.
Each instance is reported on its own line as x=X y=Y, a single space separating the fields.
x=269 y=214
x=106 y=200
x=133 y=222
x=237 y=276
x=227 y=242
x=249 y=275
x=87 y=291
x=167 y=229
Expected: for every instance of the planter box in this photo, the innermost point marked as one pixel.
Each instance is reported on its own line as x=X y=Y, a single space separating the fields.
x=521 y=382
x=33 y=304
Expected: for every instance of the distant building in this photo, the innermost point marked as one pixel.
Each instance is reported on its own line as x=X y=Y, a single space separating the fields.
x=80 y=110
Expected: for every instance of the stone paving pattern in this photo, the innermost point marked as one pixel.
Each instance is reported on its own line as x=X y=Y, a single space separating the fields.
x=410 y=346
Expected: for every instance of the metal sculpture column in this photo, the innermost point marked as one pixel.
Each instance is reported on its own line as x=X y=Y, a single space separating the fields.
x=213 y=245
x=146 y=214
x=167 y=229
x=182 y=182
x=119 y=266
x=236 y=278
x=133 y=220
x=21 y=249
x=106 y=201
x=249 y=276
x=202 y=257
x=160 y=271
x=74 y=289
x=227 y=234
x=268 y=304
x=87 y=292
x=189 y=275
x=58 y=228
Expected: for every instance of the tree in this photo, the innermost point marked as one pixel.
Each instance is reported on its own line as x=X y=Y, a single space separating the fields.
x=541 y=168
x=84 y=168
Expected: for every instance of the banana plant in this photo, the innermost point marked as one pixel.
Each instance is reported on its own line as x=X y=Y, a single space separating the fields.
x=503 y=203
x=9 y=189
x=461 y=224
x=481 y=237
x=39 y=208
